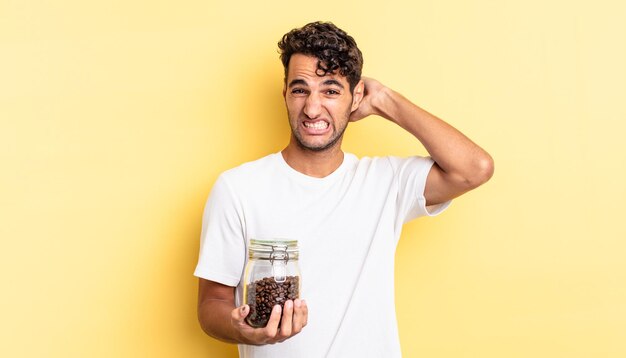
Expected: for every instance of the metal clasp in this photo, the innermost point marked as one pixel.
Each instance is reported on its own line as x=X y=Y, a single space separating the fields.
x=278 y=259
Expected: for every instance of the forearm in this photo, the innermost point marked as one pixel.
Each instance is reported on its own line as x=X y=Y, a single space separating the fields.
x=215 y=319
x=453 y=152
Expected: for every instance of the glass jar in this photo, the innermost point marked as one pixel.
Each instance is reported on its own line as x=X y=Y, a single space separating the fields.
x=272 y=277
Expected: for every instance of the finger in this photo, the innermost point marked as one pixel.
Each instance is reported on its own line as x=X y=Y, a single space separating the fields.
x=285 y=324
x=240 y=313
x=298 y=316
x=355 y=116
x=305 y=313
x=271 y=330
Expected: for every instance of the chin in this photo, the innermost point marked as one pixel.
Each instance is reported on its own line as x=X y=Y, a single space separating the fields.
x=319 y=147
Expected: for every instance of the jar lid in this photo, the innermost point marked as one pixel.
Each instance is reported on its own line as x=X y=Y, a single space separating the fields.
x=267 y=247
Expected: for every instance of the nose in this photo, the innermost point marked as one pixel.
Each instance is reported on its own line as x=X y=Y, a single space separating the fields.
x=313 y=106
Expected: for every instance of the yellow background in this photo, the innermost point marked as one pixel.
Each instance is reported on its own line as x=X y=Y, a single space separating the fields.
x=117 y=116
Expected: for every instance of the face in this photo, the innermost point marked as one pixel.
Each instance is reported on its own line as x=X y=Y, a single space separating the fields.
x=318 y=107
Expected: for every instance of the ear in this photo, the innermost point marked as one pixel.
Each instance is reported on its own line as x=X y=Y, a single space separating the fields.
x=357 y=95
x=284 y=90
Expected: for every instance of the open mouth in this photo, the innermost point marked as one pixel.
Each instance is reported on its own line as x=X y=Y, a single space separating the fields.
x=318 y=125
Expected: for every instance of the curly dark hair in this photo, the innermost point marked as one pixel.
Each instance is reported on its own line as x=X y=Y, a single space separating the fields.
x=333 y=47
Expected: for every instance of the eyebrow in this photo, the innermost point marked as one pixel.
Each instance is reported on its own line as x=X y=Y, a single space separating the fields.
x=297 y=82
x=329 y=82
x=333 y=82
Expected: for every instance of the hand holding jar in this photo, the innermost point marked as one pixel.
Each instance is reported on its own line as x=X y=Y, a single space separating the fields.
x=272 y=310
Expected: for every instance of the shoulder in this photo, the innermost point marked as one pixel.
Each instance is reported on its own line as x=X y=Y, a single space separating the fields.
x=391 y=163
x=415 y=161
x=234 y=182
x=249 y=176
x=249 y=170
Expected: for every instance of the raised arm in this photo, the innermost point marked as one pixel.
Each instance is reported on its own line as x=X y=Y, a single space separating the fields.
x=220 y=319
x=460 y=164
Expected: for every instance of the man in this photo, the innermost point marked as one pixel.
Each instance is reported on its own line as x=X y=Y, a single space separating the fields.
x=346 y=213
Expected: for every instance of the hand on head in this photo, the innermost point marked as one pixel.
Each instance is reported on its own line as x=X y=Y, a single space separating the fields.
x=372 y=93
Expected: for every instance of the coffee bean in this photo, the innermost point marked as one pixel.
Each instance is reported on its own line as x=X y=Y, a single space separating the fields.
x=265 y=293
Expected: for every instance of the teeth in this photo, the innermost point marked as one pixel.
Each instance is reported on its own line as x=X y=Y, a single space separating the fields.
x=316 y=125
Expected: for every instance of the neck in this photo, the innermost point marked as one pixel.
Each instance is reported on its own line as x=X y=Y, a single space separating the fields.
x=312 y=163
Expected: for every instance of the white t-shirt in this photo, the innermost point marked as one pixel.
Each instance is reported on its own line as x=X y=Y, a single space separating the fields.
x=347 y=225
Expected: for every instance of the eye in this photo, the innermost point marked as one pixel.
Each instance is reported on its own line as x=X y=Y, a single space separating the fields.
x=332 y=92
x=297 y=91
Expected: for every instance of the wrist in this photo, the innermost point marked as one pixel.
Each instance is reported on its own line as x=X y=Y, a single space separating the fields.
x=383 y=103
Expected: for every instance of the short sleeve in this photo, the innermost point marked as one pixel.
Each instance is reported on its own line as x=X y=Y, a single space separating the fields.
x=222 y=245
x=411 y=174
